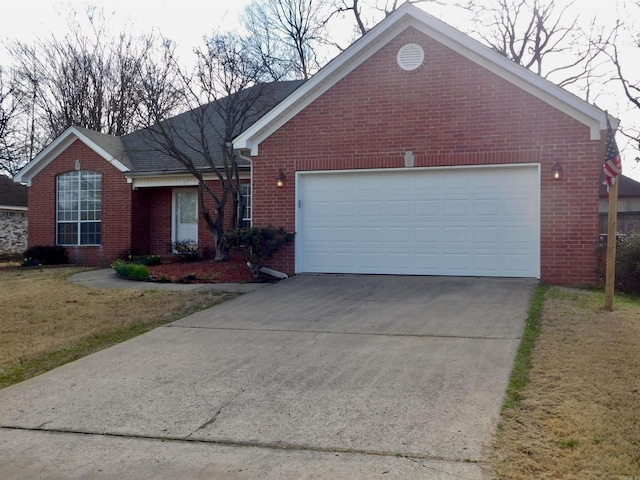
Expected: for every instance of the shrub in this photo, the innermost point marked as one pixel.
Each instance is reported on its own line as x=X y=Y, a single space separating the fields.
x=132 y=271
x=45 y=255
x=627 y=263
x=257 y=244
x=187 y=250
x=149 y=260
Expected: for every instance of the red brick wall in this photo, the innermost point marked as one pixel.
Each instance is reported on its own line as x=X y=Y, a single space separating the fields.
x=448 y=112
x=116 y=206
x=140 y=221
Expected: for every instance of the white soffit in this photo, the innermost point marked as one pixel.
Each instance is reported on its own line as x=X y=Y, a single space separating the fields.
x=405 y=16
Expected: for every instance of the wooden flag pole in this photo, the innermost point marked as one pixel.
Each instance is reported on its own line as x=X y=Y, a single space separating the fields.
x=611 y=246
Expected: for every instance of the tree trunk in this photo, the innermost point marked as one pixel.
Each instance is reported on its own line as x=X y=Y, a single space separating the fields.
x=222 y=254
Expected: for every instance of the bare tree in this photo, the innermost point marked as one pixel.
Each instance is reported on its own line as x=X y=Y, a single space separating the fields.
x=226 y=94
x=538 y=36
x=10 y=158
x=365 y=13
x=289 y=33
x=91 y=78
x=622 y=50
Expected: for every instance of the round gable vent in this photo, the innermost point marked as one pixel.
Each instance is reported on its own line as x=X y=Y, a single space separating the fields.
x=410 y=56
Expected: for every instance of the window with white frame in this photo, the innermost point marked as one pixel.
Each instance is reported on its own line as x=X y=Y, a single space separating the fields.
x=79 y=208
x=244 y=206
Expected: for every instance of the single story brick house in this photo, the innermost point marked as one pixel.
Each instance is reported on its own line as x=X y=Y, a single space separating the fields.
x=13 y=217
x=416 y=151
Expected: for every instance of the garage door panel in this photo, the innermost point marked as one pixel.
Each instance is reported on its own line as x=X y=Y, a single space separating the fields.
x=456 y=263
x=431 y=262
x=427 y=208
x=344 y=234
x=518 y=236
x=372 y=234
x=427 y=235
x=487 y=263
x=487 y=235
x=453 y=235
x=471 y=221
x=457 y=207
x=487 y=206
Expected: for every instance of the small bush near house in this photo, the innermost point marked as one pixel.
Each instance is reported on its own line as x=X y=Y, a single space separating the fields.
x=149 y=260
x=627 y=263
x=257 y=244
x=132 y=271
x=45 y=255
x=187 y=250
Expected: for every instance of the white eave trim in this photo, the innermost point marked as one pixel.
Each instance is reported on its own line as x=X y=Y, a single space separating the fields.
x=64 y=141
x=405 y=16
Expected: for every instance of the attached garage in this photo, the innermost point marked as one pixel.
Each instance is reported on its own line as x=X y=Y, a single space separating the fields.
x=419 y=151
x=477 y=221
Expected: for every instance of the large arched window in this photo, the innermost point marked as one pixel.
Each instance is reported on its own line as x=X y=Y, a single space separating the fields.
x=79 y=212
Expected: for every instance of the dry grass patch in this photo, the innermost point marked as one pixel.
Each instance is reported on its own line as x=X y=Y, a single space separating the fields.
x=47 y=321
x=578 y=416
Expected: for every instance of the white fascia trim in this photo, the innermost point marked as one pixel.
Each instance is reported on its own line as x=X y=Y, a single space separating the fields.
x=64 y=141
x=410 y=15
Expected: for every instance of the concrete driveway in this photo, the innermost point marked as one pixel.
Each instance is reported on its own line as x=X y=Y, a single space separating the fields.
x=314 y=377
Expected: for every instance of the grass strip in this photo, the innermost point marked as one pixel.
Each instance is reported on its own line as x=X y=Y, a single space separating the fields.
x=522 y=365
x=37 y=366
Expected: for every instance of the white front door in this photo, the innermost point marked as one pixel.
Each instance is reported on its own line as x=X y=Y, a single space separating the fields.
x=185 y=215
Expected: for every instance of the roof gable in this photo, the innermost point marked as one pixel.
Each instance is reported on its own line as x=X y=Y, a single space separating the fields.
x=410 y=16
x=108 y=147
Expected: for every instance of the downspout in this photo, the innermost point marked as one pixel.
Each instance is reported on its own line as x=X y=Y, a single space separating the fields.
x=265 y=270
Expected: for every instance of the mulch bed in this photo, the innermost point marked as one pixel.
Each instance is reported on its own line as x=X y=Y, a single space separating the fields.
x=234 y=270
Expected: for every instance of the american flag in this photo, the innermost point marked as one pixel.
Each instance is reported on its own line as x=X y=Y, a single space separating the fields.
x=612 y=161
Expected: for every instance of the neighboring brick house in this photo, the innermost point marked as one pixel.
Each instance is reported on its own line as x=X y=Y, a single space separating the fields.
x=13 y=217
x=416 y=151
x=628 y=206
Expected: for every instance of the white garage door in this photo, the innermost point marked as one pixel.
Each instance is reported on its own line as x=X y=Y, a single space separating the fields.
x=461 y=221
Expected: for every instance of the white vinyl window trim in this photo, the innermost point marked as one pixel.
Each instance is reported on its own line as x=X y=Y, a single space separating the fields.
x=79 y=208
x=245 y=206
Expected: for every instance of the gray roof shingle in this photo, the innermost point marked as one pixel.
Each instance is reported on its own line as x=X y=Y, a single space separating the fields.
x=144 y=156
x=111 y=144
x=627 y=187
x=12 y=194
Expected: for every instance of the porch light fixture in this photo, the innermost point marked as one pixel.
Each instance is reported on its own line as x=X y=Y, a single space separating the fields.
x=557 y=171
x=280 y=179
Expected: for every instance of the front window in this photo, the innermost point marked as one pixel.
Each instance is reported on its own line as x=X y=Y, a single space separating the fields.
x=79 y=212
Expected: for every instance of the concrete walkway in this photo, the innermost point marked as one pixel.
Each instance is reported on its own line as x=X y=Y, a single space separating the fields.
x=314 y=377
x=106 y=278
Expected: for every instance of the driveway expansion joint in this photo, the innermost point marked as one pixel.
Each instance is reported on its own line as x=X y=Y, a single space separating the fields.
x=363 y=334
x=415 y=457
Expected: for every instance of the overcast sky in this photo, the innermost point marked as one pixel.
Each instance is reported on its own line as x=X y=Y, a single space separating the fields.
x=187 y=21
